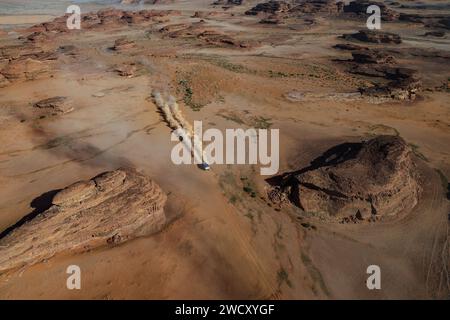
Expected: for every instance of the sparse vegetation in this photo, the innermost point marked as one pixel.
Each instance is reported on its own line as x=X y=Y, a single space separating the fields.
x=248 y=187
x=250 y=216
x=283 y=276
x=314 y=273
x=262 y=122
x=308 y=226
x=232 y=66
x=232 y=117
x=188 y=93
x=279 y=234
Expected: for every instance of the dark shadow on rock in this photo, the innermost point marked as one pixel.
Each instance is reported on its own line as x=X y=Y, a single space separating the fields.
x=332 y=157
x=39 y=204
x=448 y=191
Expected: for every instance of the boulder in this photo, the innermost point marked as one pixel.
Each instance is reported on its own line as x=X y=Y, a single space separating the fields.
x=55 y=105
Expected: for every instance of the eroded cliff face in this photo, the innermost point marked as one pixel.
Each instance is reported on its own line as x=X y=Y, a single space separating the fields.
x=111 y=208
x=358 y=181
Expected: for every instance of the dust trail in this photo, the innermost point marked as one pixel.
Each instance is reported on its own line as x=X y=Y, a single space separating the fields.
x=164 y=107
x=174 y=108
x=175 y=119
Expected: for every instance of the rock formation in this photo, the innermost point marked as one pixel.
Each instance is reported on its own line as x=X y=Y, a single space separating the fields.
x=228 y=3
x=324 y=7
x=123 y=44
x=357 y=181
x=198 y=31
x=372 y=56
x=24 y=62
x=126 y=70
x=399 y=83
x=111 y=208
x=374 y=36
x=297 y=8
x=25 y=69
x=55 y=105
x=440 y=21
x=358 y=9
x=270 y=7
x=106 y=18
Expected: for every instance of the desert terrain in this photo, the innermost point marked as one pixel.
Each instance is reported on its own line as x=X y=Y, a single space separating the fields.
x=364 y=125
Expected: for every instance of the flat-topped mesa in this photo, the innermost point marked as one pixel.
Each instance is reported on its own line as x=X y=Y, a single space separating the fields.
x=111 y=208
x=358 y=181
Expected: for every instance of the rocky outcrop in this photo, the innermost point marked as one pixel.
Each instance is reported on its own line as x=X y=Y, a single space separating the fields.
x=24 y=62
x=437 y=34
x=123 y=44
x=55 y=105
x=402 y=83
x=319 y=7
x=371 y=56
x=439 y=21
x=358 y=9
x=401 y=89
x=128 y=70
x=198 y=31
x=25 y=69
x=398 y=83
x=270 y=7
x=147 y=1
x=228 y=3
x=297 y=8
x=374 y=36
x=103 y=19
x=357 y=181
x=111 y=208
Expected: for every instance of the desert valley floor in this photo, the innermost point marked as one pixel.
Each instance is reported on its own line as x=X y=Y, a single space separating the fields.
x=364 y=124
